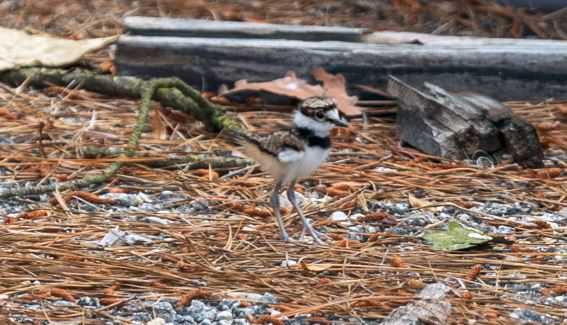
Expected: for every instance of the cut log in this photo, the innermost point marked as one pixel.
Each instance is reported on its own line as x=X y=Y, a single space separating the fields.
x=152 y=26
x=518 y=72
x=459 y=126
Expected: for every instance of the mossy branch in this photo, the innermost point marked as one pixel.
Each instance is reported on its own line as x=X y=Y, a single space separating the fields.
x=168 y=91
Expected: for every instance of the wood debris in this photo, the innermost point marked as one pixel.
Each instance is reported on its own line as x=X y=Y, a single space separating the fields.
x=459 y=126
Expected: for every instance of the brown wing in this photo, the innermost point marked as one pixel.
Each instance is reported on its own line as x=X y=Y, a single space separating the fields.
x=279 y=141
x=274 y=151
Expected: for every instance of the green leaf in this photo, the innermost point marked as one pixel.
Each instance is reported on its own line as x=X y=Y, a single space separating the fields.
x=456 y=237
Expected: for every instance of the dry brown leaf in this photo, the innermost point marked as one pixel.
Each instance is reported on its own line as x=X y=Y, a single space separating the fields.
x=34 y=214
x=416 y=284
x=186 y=299
x=541 y=224
x=324 y=281
x=8 y=114
x=348 y=243
x=319 y=320
x=117 y=190
x=347 y=186
x=397 y=261
x=266 y=319
x=40 y=294
x=474 y=272
x=380 y=216
x=548 y=126
x=109 y=296
x=335 y=86
x=62 y=293
x=546 y=172
x=90 y=197
x=257 y=212
x=108 y=66
x=289 y=86
x=467 y=295
x=206 y=173
x=334 y=192
x=559 y=289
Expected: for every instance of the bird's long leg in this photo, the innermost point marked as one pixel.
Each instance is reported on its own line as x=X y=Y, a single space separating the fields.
x=306 y=226
x=275 y=202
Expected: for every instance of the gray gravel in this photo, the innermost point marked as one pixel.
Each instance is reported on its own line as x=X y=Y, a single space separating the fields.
x=406 y=222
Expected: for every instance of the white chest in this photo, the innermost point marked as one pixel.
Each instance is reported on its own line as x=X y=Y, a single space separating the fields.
x=311 y=160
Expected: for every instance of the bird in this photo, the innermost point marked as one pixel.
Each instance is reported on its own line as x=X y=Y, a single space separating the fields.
x=295 y=152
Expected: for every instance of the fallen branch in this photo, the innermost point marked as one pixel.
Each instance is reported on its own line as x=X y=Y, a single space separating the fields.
x=169 y=91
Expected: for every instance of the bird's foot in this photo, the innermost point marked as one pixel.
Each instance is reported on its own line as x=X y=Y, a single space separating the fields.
x=285 y=236
x=318 y=237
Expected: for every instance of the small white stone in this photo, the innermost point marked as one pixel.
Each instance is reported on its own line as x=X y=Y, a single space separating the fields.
x=156 y=220
x=225 y=315
x=384 y=170
x=356 y=216
x=285 y=203
x=288 y=263
x=338 y=216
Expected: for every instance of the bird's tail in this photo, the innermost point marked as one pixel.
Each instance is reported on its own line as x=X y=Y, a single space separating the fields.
x=234 y=136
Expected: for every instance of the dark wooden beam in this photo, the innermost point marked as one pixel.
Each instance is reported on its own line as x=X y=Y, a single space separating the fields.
x=505 y=72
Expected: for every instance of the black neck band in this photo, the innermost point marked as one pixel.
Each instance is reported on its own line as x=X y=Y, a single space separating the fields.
x=312 y=139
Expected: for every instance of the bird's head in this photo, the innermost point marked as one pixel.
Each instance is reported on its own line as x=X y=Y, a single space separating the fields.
x=320 y=115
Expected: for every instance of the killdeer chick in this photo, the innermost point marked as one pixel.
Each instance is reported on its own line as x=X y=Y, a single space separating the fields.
x=297 y=152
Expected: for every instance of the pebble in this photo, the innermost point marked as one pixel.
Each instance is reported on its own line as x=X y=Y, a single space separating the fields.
x=155 y=220
x=384 y=170
x=499 y=209
x=210 y=313
x=504 y=230
x=338 y=216
x=197 y=306
x=526 y=316
x=165 y=310
x=89 y=302
x=288 y=263
x=356 y=216
x=285 y=203
x=225 y=315
x=185 y=319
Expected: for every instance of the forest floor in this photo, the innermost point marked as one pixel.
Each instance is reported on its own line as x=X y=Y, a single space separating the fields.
x=200 y=242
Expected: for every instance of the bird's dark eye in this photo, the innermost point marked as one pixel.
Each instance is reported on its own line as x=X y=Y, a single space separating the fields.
x=320 y=115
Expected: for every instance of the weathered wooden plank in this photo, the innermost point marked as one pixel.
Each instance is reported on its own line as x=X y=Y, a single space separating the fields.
x=153 y=26
x=392 y=37
x=503 y=72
